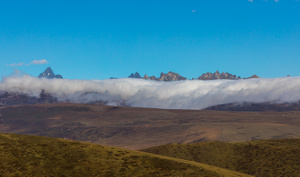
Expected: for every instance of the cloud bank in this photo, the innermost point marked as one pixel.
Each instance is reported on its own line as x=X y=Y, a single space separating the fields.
x=189 y=94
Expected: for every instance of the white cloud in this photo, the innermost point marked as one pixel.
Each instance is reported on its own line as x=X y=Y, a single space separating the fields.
x=34 y=62
x=195 y=94
x=16 y=64
x=39 y=62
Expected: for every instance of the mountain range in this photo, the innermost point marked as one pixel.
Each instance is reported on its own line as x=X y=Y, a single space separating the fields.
x=171 y=76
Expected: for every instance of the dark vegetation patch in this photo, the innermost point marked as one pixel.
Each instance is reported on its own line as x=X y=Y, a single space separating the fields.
x=280 y=107
x=69 y=108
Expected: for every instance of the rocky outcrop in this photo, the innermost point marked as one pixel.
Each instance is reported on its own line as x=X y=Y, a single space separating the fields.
x=218 y=75
x=150 y=78
x=48 y=73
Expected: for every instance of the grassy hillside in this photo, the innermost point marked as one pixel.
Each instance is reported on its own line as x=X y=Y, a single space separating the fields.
x=24 y=155
x=278 y=157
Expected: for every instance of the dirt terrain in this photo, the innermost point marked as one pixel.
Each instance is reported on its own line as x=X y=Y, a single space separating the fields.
x=137 y=128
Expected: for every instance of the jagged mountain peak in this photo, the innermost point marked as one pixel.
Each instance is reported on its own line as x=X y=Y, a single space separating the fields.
x=136 y=75
x=49 y=74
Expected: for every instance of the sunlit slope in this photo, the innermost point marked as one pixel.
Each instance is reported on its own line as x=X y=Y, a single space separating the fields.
x=24 y=155
x=278 y=157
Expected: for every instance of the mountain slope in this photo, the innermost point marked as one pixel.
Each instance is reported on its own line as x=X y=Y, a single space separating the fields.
x=279 y=157
x=24 y=155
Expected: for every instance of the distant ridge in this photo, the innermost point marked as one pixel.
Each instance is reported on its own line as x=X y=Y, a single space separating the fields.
x=48 y=73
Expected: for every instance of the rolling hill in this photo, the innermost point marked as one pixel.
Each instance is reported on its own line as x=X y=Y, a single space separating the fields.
x=24 y=155
x=261 y=158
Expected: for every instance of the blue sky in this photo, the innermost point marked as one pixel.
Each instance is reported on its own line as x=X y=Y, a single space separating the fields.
x=103 y=39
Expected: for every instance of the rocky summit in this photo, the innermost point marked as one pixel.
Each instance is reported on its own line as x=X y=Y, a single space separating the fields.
x=218 y=75
x=170 y=76
x=48 y=73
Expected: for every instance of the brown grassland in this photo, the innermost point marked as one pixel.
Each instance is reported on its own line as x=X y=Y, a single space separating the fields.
x=137 y=128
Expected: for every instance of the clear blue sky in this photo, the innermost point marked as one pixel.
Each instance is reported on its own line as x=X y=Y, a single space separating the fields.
x=103 y=39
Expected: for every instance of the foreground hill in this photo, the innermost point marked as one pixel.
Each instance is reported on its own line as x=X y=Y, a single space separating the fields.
x=23 y=155
x=278 y=157
x=137 y=128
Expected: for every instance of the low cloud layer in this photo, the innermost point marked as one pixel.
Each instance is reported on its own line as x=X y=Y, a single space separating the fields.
x=195 y=94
